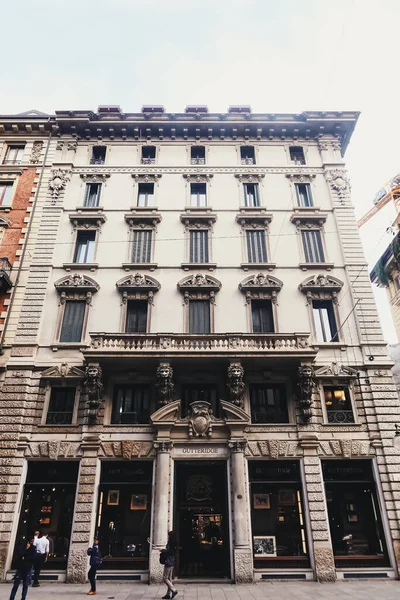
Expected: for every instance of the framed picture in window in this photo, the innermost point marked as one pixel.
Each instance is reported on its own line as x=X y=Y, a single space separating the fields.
x=264 y=546
x=352 y=518
x=261 y=501
x=138 y=501
x=287 y=498
x=45 y=520
x=113 y=498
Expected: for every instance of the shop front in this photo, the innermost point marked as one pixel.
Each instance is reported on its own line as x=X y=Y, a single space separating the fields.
x=124 y=514
x=277 y=515
x=48 y=506
x=354 y=513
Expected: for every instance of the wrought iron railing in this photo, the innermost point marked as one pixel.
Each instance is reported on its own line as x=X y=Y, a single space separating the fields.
x=197 y=161
x=148 y=161
x=59 y=418
x=248 y=161
x=340 y=416
x=98 y=161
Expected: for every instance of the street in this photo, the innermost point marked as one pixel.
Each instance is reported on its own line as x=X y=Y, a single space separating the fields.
x=356 y=590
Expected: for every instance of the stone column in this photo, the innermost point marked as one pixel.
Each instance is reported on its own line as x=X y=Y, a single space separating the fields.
x=315 y=500
x=160 y=509
x=242 y=551
x=83 y=527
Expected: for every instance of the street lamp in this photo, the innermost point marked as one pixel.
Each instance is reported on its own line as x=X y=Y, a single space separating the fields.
x=396 y=439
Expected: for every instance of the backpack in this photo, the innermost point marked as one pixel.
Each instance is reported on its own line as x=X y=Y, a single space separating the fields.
x=163 y=557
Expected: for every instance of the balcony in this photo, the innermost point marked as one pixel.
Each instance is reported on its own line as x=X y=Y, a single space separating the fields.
x=98 y=161
x=213 y=344
x=5 y=275
x=247 y=161
x=197 y=161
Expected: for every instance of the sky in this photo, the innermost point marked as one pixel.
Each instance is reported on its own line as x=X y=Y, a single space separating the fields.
x=276 y=55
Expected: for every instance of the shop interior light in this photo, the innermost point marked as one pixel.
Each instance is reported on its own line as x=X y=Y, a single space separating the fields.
x=396 y=439
x=340 y=395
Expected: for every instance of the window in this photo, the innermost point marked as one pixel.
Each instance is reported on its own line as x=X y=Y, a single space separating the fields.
x=268 y=404
x=92 y=195
x=61 y=406
x=251 y=194
x=312 y=245
x=14 y=155
x=304 y=197
x=146 y=194
x=262 y=316
x=141 y=248
x=324 y=321
x=247 y=155
x=198 y=194
x=338 y=404
x=198 y=246
x=136 y=316
x=72 y=324
x=297 y=155
x=148 y=155
x=5 y=194
x=85 y=246
x=256 y=246
x=131 y=405
x=195 y=393
x=197 y=155
x=199 y=316
x=98 y=155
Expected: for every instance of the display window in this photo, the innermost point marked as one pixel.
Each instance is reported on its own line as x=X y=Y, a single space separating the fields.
x=354 y=514
x=48 y=506
x=124 y=514
x=277 y=515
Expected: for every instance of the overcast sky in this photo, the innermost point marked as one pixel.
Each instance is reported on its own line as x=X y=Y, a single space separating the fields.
x=276 y=55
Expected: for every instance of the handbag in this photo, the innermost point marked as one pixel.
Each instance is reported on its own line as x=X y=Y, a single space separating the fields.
x=163 y=557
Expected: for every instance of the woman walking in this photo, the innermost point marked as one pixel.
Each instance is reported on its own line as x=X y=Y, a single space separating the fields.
x=95 y=562
x=170 y=552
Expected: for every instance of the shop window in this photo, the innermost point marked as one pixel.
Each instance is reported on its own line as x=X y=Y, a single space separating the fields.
x=98 y=155
x=61 y=406
x=256 y=246
x=277 y=515
x=131 y=405
x=198 y=194
x=124 y=514
x=148 y=155
x=194 y=393
x=146 y=194
x=268 y=404
x=72 y=323
x=14 y=155
x=197 y=155
x=338 y=404
x=304 y=196
x=251 y=195
x=199 y=316
x=136 y=316
x=85 y=247
x=92 y=195
x=354 y=514
x=262 y=316
x=48 y=506
x=5 y=194
x=247 y=155
x=324 y=321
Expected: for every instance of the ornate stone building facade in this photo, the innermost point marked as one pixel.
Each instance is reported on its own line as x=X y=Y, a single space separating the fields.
x=194 y=345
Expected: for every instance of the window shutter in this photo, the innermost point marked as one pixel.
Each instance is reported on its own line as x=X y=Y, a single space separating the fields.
x=199 y=316
x=313 y=249
x=136 y=317
x=141 y=248
x=72 y=325
x=256 y=246
x=198 y=251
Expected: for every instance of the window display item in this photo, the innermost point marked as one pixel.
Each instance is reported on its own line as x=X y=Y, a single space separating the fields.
x=261 y=501
x=264 y=545
x=113 y=498
x=138 y=502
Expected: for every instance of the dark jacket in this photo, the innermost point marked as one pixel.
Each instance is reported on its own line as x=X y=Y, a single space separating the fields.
x=95 y=556
x=26 y=559
x=171 y=549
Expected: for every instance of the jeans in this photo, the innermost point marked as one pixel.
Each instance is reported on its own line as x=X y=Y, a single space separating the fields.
x=37 y=567
x=24 y=577
x=168 y=578
x=92 y=578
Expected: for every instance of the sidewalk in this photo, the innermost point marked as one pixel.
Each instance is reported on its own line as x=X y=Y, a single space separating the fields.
x=356 y=590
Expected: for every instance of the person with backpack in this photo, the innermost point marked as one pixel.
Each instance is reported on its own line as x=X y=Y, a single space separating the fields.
x=167 y=558
x=24 y=568
x=95 y=562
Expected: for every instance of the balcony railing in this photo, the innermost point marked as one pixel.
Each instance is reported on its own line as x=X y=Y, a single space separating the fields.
x=197 y=161
x=247 y=161
x=148 y=161
x=5 y=274
x=340 y=416
x=213 y=343
x=98 y=161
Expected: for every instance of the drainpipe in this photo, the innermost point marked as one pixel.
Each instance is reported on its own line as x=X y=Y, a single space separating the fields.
x=24 y=248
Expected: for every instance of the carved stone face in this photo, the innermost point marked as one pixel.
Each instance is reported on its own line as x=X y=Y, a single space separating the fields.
x=139 y=279
x=306 y=372
x=200 y=279
x=235 y=372
x=165 y=372
x=93 y=372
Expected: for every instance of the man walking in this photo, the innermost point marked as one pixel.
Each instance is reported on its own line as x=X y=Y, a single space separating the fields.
x=24 y=568
x=42 y=550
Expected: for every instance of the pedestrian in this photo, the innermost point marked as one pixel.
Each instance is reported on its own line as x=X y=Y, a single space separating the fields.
x=170 y=555
x=95 y=562
x=24 y=567
x=42 y=552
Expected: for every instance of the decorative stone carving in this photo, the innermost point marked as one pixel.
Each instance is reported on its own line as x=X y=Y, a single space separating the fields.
x=335 y=370
x=77 y=282
x=261 y=286
x=164 y=383
x=146 y=177
x=36 y=152
x=305 y=386
x=338 y=181
x=200 y=419
x=238 y=445
x=95 y=177
x=53 y=449
x=320 y=287
x=198 y=177
x=345 y=448
x=63 y=371
x=163 y=446
x=60 y=145
x=72 y=145
x=235 y=384
x=250 y=177
x=127 y=449
x=273 y=448
x=93 y=387
x=300 y=177
x=199 y=281
x=138 y=281
x=58 y=181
